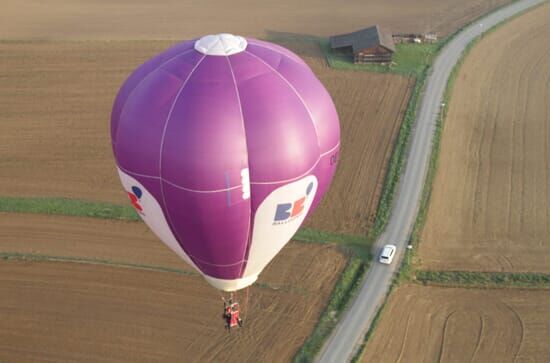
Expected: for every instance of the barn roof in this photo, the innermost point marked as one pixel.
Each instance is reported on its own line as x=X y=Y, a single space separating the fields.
x=363 y=39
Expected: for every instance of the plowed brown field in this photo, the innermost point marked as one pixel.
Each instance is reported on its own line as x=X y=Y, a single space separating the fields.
x=66 y=311
x=133 y=243
x=81 y=312
x=490 y=205
x=118 y=241
x=371 y=108
x=54 y=124
x=434 y=324
x=65 y=19
x=55 y=106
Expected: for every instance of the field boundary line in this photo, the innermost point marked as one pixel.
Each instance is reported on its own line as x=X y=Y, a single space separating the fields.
x=37 y=257
x=62 y=206
x=492 y=280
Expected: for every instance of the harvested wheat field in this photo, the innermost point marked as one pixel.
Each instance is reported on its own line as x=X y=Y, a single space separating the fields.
x=132 y=243
x=64 y=19
x=490 y=205
x=101 y=239
x=54 y=124
x=436 y=324
x=63 y=311
x=371 y=108
x=55 y=107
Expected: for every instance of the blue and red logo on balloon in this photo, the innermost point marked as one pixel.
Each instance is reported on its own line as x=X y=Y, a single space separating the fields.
x=286 y=212
x=135 y=196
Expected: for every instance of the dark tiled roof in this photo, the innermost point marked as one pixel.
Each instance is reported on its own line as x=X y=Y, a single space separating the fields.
x=363 y=39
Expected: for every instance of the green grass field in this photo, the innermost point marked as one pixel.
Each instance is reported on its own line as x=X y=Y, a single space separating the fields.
x=483 y=279
x=67 y=207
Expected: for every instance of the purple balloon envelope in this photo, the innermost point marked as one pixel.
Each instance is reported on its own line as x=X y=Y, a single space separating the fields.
x=225 y=145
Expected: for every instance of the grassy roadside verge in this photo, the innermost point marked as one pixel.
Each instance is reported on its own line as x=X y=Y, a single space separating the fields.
x=483 y=279
x=343 y=292
x=397 y=160
x=359 y=354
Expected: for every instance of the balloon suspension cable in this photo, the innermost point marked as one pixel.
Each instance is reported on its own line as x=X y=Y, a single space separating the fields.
x=227 y=298
x=245 y=305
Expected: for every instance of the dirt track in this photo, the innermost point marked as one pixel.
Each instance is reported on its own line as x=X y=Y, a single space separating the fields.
x=429 y=324
x=63 y=19
x=79 y=312
x=490 y=206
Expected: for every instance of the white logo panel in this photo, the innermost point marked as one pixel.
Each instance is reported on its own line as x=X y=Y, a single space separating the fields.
x=277 y=219
x=151 y=213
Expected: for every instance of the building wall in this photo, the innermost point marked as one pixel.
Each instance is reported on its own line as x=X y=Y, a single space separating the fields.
x=342 y=50
x=373 y=55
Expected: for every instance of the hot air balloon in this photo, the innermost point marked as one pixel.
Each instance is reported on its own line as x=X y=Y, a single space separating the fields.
x=224 y=145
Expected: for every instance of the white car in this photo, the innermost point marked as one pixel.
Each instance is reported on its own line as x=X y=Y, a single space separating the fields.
x=388 y=251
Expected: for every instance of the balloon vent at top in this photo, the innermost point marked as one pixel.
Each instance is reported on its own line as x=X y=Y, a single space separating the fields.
x=221 y=44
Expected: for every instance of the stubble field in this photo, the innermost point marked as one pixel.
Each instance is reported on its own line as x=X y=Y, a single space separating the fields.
x=55 y=106
x=125 y=307
x=168 y=19
x=371 y=108
x=490 y=205
x=437 y=324
x=81 y=312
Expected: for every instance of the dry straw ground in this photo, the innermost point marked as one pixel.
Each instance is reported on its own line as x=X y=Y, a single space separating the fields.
x=429 y=324
x=79 y=312
x=169 y=19
x=70 y=311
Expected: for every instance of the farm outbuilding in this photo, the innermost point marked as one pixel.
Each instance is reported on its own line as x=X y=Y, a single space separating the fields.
x=369 y=45
x=414 y=38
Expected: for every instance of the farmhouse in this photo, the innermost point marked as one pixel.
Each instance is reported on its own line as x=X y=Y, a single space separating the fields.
x=369 y=45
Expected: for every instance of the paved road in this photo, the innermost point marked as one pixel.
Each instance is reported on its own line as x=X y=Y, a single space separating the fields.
x=347 y=336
